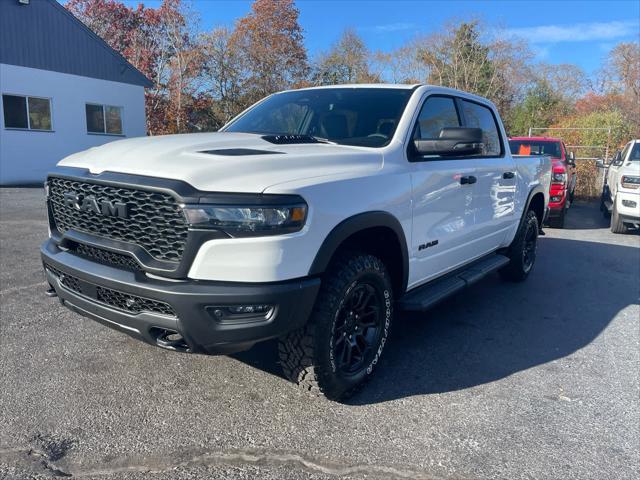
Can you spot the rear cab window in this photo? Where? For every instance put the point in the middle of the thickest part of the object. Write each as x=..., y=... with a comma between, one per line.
x=535, y=147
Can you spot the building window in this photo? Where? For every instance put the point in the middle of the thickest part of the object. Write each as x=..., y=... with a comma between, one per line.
x=104, y=119
x=28, y=113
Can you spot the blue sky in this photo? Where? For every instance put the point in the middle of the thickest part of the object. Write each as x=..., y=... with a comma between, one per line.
x=579, y=32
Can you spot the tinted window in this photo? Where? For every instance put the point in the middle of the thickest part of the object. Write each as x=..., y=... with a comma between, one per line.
x=533, y=147
x=635, y=153
x=15, y=111
x=349, y=116
x=479, y=116
x=95, y=118
x=26, y=112
x=39, y=114
x=436, y=114
x=104, y=119
x=113, y=120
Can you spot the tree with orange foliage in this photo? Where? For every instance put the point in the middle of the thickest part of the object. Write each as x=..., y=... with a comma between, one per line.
x=272, y=52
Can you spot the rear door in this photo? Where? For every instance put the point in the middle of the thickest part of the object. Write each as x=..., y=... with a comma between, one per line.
x=494, y=194
x=443, y=217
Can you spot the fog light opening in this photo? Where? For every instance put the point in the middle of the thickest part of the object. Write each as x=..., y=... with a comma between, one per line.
x=240, y=313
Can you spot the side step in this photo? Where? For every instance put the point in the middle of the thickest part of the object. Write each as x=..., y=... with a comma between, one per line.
x=426, y=296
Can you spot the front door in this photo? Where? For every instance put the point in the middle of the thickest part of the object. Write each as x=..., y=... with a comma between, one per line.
x=443, y=217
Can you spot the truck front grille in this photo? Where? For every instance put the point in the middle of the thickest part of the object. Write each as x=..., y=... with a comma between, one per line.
x=154, y=220
x=112, y=298
x=105, y=256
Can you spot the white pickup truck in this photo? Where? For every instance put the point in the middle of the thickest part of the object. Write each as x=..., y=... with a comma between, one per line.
x=311, y=217
x=621, y=190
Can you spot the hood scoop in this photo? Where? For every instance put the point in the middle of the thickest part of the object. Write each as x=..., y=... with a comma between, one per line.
x=239, y=152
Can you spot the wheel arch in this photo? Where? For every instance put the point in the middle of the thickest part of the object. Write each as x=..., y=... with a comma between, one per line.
x=373, y=232
x=535, y=202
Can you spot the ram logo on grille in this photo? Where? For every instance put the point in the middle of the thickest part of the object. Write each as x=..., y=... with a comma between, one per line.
x=89, y=203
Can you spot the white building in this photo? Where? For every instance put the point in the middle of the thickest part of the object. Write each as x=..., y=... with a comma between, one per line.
x=63, y=89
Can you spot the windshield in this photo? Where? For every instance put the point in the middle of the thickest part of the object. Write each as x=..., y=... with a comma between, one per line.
x=532, y=147
x=365, y=117
x=634, y=156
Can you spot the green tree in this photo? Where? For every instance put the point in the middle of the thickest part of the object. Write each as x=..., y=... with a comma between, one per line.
x=540, y=108
x=466, y=57
x=589, y=183
x=346, y=62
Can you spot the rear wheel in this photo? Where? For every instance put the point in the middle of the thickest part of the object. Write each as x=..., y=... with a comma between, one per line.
x=338, y=349
x=522, y=251
x=617, y=225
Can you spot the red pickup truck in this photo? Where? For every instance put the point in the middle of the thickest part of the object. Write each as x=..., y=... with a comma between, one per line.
x=564, y=175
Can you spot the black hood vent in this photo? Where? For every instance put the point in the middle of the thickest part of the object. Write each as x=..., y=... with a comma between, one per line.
x=239, y=152
x=290, y=139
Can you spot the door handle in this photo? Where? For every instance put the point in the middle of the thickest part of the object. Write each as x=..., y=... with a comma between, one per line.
x=507, y=175
x=468, y=180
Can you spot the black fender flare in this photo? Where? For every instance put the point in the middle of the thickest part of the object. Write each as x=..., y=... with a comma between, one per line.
x=353, y=225
x=535, y=190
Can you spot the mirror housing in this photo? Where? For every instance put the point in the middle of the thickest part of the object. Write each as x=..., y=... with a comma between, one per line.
x=617, y=159
x=572, y=158
x=452, y=141
x=600, y=163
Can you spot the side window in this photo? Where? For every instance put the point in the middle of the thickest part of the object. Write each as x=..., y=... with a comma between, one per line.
x=104, y=119
x=28, y=113
x=436, y=113
x=479, y=116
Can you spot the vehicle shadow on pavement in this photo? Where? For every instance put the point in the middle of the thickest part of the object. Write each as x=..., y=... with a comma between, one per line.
x=495, y=328
x=585, y=215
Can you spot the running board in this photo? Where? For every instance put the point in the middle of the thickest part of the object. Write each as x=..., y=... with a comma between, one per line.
x=426, y=296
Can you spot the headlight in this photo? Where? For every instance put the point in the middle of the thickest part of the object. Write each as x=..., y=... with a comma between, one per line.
x=559, y=177
x=241, y=220
x=630, y=182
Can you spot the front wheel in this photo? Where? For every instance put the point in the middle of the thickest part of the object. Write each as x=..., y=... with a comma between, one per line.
x=523, y=249
x=338, y=349
x=617, y=225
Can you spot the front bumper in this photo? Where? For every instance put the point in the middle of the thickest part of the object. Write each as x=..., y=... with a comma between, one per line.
x=556, y=208
x=628, y=206
x=153, y=310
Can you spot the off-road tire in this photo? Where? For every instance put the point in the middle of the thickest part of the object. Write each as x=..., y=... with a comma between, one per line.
x=520, y=265
x=617, y=225
x=308, y=355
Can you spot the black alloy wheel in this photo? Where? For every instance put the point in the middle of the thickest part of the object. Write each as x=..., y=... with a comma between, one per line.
x=358, y=328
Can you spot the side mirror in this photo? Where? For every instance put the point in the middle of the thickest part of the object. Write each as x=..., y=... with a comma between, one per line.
x=452, y=141
x=600, y=163
x=572, y=158
x=616, y=158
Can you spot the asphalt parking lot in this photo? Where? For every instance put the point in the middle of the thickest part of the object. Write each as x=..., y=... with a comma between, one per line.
x=516, y=381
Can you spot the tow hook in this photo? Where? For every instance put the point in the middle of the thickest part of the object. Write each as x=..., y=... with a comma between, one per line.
x=51, y=292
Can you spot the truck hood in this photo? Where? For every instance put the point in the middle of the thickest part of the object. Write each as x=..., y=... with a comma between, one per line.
x=630, y=168
x=225, y=162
